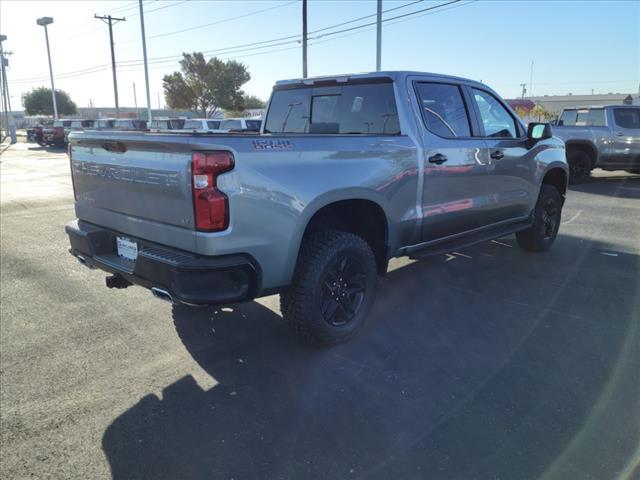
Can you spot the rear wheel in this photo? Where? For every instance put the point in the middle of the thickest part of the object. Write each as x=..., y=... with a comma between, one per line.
x=546, y=222
x=333, y=287
x=579, y=166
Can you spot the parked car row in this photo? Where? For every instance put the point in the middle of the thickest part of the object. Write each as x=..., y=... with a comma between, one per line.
x=56, y=134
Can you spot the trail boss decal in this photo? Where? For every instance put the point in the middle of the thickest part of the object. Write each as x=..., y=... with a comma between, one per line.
x=272, y=145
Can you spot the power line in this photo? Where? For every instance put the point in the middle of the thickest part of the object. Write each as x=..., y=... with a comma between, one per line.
x=387, y=19
x=220, y=21
x=266, y=43
x=134, y=14
x=297, y=37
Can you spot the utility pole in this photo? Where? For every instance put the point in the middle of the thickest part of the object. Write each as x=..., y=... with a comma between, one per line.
x=6, y=99
x=43, y=22
x=379, y=37
x=524, y=89
x=146, y=67
x=304, y=38
x=531, y=80
x=109, y=20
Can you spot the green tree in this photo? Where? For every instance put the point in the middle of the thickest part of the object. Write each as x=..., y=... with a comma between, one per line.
x=206, y=86
x=251, y=101
x=38, y=102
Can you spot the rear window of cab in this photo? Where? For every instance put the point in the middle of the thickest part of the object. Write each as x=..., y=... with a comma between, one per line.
x=352, y=109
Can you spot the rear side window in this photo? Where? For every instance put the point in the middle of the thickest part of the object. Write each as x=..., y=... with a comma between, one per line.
x=357, y=109
x=444, y=110
x=496, y=120
x=627, y=117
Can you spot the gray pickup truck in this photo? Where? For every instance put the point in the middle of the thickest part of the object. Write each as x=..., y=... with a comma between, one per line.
x=347, y=172
x=600, y=137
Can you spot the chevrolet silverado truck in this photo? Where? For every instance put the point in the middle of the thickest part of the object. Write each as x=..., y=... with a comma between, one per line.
x=600, y=137
x=346, y=173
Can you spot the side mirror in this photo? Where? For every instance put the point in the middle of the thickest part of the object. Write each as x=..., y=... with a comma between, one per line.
x=538, y=131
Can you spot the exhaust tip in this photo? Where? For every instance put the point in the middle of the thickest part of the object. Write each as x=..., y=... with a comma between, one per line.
x=83, y=262
x=161, y=294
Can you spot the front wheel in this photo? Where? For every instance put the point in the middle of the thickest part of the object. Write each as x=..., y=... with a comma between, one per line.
x=546, y=222
x=333, y=287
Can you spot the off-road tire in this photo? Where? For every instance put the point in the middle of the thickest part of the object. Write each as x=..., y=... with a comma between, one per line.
x=300, y=303
x=579, y=167
x=538, y=238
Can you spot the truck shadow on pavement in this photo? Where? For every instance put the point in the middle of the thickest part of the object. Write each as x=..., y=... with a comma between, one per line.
x=488, y=363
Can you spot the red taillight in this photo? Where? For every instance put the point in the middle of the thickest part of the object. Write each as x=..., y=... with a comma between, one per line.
x=211, y=206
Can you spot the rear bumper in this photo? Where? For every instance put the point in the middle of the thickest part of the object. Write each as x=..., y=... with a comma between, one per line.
x=186, y=277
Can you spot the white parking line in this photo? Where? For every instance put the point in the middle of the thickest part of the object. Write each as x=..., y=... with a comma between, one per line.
x=573, y=218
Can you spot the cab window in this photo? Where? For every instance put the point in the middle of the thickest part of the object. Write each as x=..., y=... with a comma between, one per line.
x=443, y=109
x=627, y=117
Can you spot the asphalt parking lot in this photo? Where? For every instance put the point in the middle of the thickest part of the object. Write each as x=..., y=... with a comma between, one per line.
x=488, y=363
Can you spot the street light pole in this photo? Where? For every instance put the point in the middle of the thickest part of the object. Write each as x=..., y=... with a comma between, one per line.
x=304, y=38
x=43, y=22
x=146, y=68
x=379, y=37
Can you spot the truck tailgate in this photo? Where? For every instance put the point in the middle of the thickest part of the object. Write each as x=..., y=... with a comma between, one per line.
x=137, y=187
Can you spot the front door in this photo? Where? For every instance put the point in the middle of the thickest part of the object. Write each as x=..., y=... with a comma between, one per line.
x=625, y=141
x=511, y=164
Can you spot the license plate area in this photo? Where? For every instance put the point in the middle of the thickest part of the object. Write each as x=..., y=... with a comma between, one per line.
x=127, y=249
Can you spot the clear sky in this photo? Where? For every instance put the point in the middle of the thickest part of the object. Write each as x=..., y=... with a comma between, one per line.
x=576, y=46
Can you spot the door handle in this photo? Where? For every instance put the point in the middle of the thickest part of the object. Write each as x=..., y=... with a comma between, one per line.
x=438, y=158
x=497, y=155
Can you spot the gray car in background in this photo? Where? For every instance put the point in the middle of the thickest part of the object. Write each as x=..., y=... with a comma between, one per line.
x=600, y=137
x=346, y=173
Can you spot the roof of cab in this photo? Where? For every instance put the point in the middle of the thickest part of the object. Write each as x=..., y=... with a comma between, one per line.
x=395, y=75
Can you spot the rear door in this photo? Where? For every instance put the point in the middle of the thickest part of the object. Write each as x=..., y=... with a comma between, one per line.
x=625, y=143
x=511, y=168
x=454, y=194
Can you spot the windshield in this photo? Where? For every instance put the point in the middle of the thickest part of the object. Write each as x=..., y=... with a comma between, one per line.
x=364, y=109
